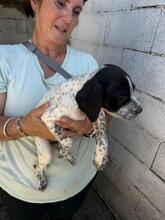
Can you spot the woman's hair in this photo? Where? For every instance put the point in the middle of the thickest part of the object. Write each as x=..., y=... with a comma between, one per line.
x=28, y=9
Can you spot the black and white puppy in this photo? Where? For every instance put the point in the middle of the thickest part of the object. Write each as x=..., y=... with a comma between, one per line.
x=107, y=89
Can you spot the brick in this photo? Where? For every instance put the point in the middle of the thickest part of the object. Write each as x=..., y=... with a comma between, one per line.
x=29, y=25
x=12, y=13
x=1, y=25
x=2, y=38
x=109, y=5
x=126, y=190
x=145, y=210
x=1, y=11
x=140, y=3
x=93, y=208
x=21, y=26
x=133, y=29
x=140, y=177
x=91, y=28
x=93, y=49
x=9, y=25
x=159, y=43
x=111, y=55
x=101, y=53
x=135, y=140
x=152, y=118
x=159, y=165
x=88, y=6
x=144, y=68
x=148, y=183
x=12, y=38
x=118, y=192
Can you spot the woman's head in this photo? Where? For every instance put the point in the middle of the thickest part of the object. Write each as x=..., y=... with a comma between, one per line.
x=54, y=19
x=28, y=9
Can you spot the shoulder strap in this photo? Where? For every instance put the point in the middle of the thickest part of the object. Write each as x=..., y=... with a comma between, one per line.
x=51, y=63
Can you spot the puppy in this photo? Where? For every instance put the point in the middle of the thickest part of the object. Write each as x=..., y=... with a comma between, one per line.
x=107, y=89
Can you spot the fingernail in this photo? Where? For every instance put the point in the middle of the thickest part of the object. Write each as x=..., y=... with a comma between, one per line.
x=47, y=104
x=62, y=120
x=57, y=122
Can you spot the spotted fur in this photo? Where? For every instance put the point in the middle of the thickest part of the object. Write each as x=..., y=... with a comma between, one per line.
x=89, y=94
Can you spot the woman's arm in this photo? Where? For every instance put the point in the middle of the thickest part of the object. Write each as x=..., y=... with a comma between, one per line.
x=31, y=124
x=3, y=119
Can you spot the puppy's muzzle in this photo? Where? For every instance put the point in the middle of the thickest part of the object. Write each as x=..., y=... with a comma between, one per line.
x=130, y=110
x=138, y=110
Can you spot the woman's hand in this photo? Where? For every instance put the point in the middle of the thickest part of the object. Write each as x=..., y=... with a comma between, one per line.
x=32, y=124
x=74, y=128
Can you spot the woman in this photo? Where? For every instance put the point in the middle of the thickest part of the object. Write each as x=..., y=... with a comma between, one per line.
x=23, y=82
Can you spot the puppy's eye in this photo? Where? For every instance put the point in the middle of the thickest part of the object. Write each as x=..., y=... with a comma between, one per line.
x=123, y=101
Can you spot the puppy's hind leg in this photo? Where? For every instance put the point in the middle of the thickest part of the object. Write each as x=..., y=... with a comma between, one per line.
x=44, y=158
x=65, y=144
x=101, y=157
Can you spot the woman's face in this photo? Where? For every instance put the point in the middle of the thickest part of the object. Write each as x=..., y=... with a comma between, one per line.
x=56, y=19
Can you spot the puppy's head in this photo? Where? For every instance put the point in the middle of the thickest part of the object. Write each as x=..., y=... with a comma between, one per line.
x=112, y=89
x=119, y=98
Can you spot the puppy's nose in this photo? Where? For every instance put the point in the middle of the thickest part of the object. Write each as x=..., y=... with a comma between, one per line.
x=139, y=110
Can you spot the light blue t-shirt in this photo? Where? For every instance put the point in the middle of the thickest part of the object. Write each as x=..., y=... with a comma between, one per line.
x=22, y=77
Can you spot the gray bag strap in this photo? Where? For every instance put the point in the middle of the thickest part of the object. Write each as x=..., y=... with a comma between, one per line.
x=50, y=62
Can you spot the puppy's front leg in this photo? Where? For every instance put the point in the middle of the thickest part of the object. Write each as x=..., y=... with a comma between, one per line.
x=101, y=157
x=65, y=144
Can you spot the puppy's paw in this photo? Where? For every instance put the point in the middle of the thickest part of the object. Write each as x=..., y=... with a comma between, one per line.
x=68, y=157
x=41, y=177
x=100, y=164
x=42, y=184
x=73, y=161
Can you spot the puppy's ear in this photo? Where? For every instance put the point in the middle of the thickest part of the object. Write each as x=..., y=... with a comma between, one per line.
x=90, y=98
x=115, y=98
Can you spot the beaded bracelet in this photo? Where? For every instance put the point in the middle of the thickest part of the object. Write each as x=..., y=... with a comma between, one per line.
x=19, y=128
x=91, y=135
x=5, y=126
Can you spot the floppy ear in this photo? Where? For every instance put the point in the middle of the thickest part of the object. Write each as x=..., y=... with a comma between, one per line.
x=89, y=99
x=115, y=98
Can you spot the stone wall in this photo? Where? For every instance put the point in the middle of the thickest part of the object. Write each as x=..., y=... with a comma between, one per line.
x=14, y=26
x=131, y=34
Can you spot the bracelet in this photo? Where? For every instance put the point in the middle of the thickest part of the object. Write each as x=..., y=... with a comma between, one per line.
x=19, y=128
x=91, y=135
x=5, y=126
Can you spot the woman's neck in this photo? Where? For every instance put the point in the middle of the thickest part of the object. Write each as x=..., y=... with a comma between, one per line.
x=52, y=50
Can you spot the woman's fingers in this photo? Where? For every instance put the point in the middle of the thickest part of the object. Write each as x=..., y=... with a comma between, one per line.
x=41, y=109
x=76, y=126
x=69, y=133
x=34, y=126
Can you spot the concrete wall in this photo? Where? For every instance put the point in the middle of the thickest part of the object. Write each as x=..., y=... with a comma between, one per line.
x=128, y=33
x=131, y=34
x=14, y=26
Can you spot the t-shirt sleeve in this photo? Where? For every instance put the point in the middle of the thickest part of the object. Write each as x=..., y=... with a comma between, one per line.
x=3, y=76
